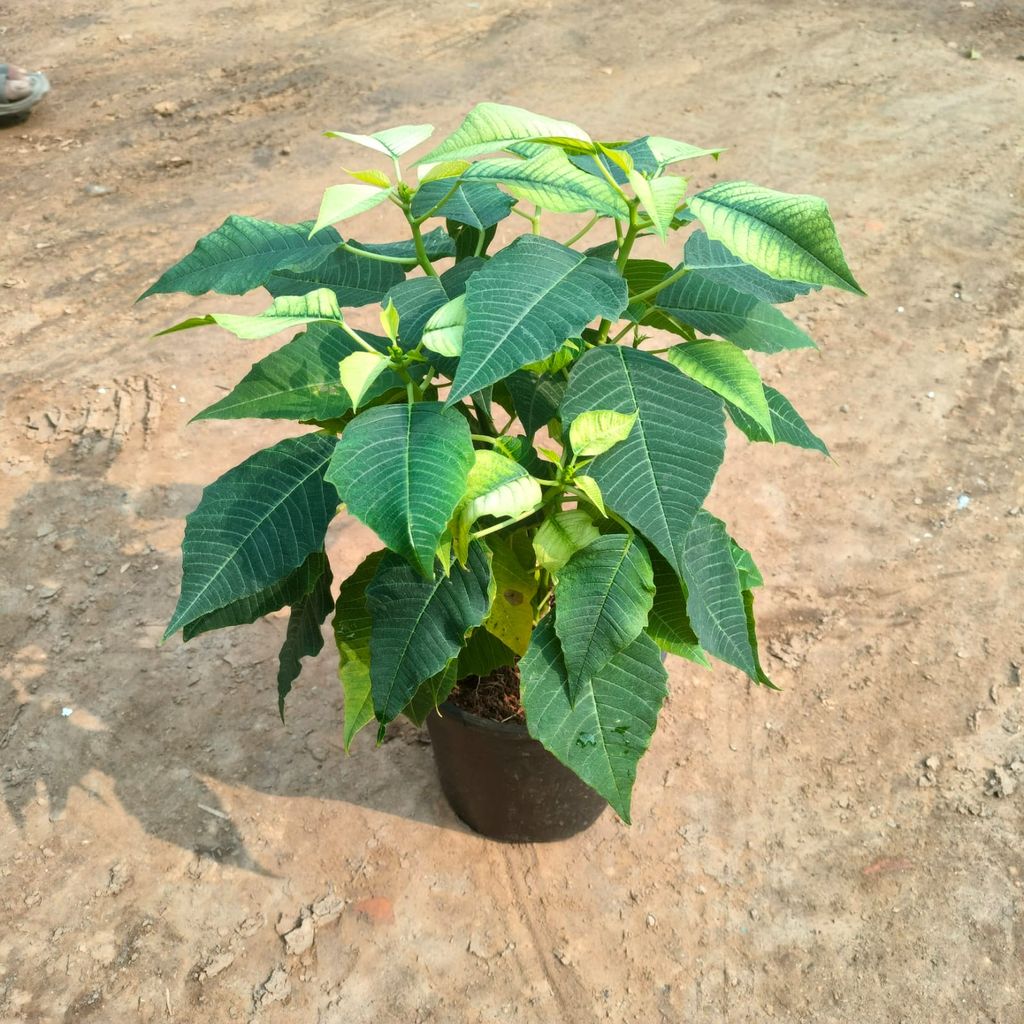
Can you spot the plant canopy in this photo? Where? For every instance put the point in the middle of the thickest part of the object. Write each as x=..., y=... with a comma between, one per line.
x=532, y=433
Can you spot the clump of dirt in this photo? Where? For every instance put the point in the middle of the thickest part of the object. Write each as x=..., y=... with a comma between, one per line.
x=494, y=696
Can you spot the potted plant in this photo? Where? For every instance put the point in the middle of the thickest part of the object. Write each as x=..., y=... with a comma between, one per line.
x=532, y=435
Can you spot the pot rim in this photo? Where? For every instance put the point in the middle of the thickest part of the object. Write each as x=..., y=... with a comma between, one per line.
x=486, y=724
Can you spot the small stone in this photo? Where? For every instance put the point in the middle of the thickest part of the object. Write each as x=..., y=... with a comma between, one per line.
x=275, y=989
x=286, y=923
x=844, y=408
x=94, y=189
x=166, y=108
x=1000, y=783
x=932, y=762
x=300, y=940
x=217, y=965
x=45, y=529
x=101, y=570
x=327, y=910
x=651, y=920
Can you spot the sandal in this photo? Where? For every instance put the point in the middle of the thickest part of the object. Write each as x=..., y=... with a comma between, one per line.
x=18, y=108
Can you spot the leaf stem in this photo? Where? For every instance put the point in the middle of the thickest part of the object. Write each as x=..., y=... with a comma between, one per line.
x=586, y=227
x=437, y=206
x=649, y=293
x=357, y=338
x=405, y=261
x=421, y=249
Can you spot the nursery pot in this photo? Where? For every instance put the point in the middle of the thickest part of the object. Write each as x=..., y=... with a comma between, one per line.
x=503, y=784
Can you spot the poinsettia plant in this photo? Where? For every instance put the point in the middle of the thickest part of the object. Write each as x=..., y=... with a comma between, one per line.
x=532, y=434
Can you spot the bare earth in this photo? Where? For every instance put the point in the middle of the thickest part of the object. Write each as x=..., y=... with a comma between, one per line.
x=846, y=851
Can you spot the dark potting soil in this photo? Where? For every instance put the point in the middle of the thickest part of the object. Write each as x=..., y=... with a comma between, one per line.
x=495, y=696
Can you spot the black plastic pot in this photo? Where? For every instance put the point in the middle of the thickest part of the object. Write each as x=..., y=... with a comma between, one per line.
x=503, y=784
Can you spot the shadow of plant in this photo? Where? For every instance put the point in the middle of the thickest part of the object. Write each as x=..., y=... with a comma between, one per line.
x=166, y=725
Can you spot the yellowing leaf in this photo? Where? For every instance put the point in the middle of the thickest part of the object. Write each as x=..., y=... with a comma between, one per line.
x=443, y=331
x=561, y=536
x=359, y=371
x=590, y=489
x=393, y=142
x=593, y=433
x=371, y=177
x=343, y=201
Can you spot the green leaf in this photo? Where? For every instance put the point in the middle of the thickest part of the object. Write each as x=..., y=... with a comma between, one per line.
x=489, y=127
x=304, y=637
x=593, y=433
x=358, y=373
x=290, y=590
x=715, y=262
x=352, y=635
x=715, y=597
x=789, y=237
x=642, y=275
x=419, y=298
x=591, y=490
x=560, y=536
x=299, y=381
x=602, y=598
x=525, y=302
x=515, y=586
x=565, y=355
x=660, y=475
x=432, y=693
x=603, y=738
x=748, y=609
x=401, y=470
x=716, y=308
x=283, y=313
x=535, y=399
x=393, y=142
x=749, y=575
x=343, y=201
x=241, y=254
x=669, y=151
x=255, y=525
x=722, y=367
x=788, y=426
x=355, y=280
x=550, y=181
x=483, y=653
x=443, y=332
x=496, y=486
x=370, y=177
x=478, y=205
x=659, y=197
x=420, y=624
x=668, y=624
x=389, y=318
x=437, y=244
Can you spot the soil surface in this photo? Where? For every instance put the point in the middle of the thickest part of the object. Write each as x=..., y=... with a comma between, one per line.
x=495, y=696
x=846, y=851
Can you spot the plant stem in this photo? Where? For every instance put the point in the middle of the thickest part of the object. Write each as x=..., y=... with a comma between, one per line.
x=625, y=330
x=421, y=249
x=651, y=292
x=406, y=261
x=437, y=206
x=358, y=339
x=586, y=227
x=501, y=526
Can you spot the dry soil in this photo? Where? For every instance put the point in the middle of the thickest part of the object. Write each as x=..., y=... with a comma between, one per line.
x=848, y=850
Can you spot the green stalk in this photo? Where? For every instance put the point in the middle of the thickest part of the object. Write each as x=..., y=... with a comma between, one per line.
x=579, y=234
x=405, y=261
x=651, y=292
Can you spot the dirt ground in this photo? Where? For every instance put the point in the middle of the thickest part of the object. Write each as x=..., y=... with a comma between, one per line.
x=846, y=851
